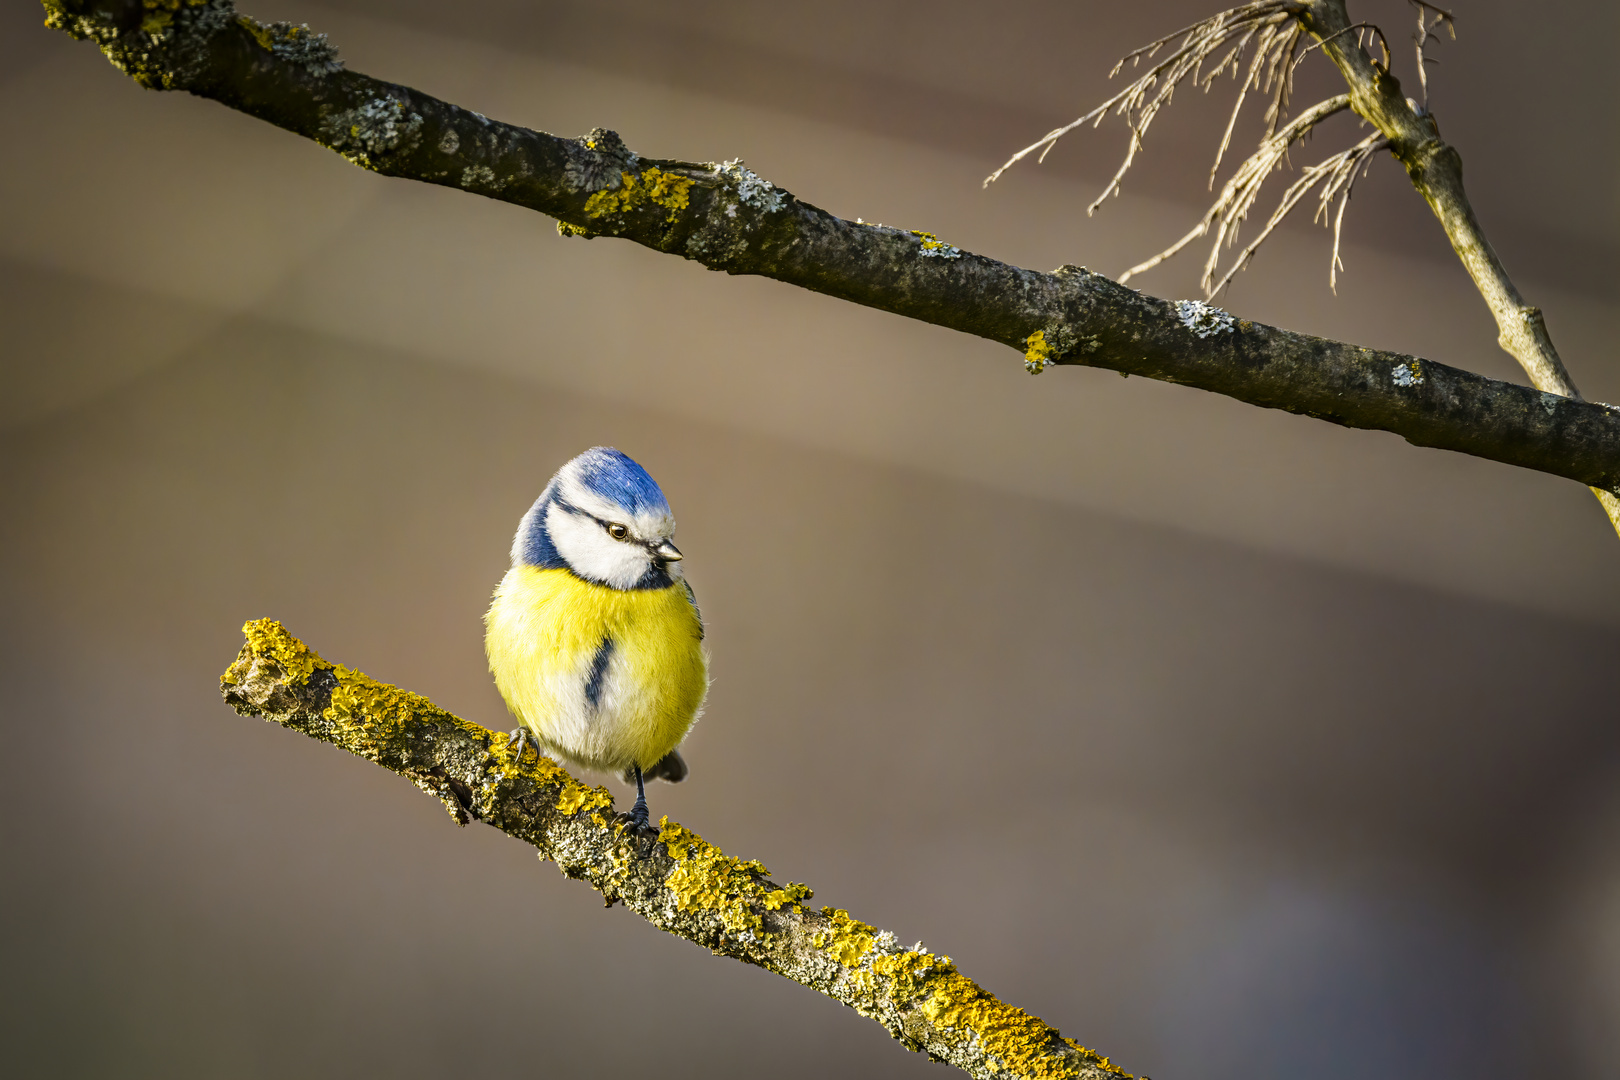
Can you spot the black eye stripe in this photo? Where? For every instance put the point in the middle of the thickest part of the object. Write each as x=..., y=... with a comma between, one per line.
x=607, y=526
x=565, y=505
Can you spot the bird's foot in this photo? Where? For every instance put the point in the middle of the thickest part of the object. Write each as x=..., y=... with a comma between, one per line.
x=637, y=822
x=523, y=738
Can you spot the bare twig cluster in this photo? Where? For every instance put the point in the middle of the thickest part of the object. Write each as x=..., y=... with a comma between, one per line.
x=1337, y=175
x=1274, y=30
x=1269, y=25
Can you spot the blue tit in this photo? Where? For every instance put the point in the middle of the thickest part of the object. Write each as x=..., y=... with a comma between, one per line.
x=594, y=636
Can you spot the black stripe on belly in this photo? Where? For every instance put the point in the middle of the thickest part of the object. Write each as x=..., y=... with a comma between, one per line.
x=598, y=675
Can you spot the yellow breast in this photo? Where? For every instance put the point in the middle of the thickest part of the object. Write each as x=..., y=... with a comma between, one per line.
x=606, y=678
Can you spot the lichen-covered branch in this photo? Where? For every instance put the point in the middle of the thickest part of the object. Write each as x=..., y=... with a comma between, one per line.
x=728, y=218
x=1435, y=168
x=678, y=882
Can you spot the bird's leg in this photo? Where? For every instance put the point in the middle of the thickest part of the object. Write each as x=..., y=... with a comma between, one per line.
x=521, y=738
x=637, y=818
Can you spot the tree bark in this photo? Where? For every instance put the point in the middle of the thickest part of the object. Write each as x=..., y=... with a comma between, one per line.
x=729, y=219
x=677, y=882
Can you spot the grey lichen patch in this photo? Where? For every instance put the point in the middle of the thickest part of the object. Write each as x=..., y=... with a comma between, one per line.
x=1407, y=374
x=752, y=189
x=449, y=142
x=929, y=246
x=723, y=235
x=1203, y=319
x=296, y=43
x=716, y=245
x=598, y=162
x=935, y=248
x=480, y=176
x=383, y=125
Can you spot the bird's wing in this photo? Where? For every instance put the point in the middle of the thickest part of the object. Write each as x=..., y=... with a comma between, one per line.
x=691, y=598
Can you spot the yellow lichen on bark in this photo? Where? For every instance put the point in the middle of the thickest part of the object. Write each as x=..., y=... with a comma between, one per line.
x=846, y=940
x=656, y=186
x=1021, y=1042
x=360, y=698
x=578, y=796
x=792, y=893
x=707, y=878
x=1038, y=352
x=268, y=639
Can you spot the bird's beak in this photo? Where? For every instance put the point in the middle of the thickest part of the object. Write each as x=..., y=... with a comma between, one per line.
x=668, y=552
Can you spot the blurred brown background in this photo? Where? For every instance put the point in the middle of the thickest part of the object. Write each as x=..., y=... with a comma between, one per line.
x=1232, y=743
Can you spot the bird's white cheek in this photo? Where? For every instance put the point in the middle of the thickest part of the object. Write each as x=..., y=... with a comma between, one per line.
x=593, y=554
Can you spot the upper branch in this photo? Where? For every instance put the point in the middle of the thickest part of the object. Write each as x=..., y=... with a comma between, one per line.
x=730, y=219
x=678, y=882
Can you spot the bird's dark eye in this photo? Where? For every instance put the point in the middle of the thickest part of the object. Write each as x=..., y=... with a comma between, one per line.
x=617, y=531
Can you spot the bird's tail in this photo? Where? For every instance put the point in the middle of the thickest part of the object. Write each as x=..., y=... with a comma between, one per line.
x=670, y=767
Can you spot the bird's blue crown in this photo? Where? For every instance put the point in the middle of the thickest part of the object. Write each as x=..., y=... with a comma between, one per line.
x=618, y=479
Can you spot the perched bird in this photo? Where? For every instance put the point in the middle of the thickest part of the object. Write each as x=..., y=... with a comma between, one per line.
x=594, y=636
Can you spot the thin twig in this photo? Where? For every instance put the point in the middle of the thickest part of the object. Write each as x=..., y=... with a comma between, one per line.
x=1337, y=174
x=1356, y=166
x=1362, y=36
x=1424, y=33
x=1206, y=51
x=1353, y=26
x=1275, y=50
x=1239, y=193
x=1232, y=30
x=1441, y=15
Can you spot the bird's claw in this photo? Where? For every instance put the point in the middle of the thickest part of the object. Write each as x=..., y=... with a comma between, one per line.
x=637, y=825
x=522, y=738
